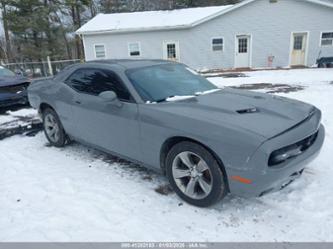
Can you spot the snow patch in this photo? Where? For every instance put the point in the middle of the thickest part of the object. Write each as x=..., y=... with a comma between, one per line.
x=207, y=92
x=178, y=98
x=149, y=19
x=12, y=119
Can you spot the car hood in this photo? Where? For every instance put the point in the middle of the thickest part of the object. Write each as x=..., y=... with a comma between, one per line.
x=263, y=114
x=14, y=80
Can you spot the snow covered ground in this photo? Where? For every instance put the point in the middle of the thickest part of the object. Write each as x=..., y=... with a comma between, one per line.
x=14, y=118
x=79, y=194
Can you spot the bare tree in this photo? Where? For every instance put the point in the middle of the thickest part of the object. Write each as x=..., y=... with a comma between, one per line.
x=6, y=30
x=3, y=52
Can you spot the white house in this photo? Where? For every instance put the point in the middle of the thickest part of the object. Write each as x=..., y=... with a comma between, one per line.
x=253, y=33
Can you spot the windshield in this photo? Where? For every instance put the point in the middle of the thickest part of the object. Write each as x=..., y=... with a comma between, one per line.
x=160, y=82
x=4, y=72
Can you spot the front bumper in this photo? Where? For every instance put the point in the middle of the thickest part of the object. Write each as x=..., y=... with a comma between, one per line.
x=17, y=100
x=265, y=179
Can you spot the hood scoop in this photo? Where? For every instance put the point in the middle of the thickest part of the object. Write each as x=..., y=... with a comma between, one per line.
x=248, y=110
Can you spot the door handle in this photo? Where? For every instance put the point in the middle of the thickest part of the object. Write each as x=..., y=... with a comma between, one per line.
x=78, y=102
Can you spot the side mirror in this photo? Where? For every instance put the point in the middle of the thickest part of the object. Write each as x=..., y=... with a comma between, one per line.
x=110, y=97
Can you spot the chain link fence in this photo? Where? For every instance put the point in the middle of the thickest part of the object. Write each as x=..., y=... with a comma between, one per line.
x=39, y=69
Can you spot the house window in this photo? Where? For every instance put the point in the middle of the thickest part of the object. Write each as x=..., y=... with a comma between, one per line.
x=242, y=45
x=327, y=39
x=217, y=44
x=134, y=49
x=171, y=51
x=298, y=42
x=100, y=51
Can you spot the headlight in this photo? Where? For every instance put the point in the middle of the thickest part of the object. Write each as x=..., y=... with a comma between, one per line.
x=291, y=151
x=280, y=156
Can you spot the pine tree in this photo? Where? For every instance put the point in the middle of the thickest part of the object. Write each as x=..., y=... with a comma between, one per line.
x=112, y=6
x=35, y=29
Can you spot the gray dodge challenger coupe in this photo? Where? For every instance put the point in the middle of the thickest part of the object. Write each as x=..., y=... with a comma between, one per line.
x=160, y=114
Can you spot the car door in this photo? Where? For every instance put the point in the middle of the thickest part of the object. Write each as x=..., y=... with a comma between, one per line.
x=112, y=126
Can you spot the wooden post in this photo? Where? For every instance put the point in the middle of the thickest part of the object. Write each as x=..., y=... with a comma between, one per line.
x=50, y=65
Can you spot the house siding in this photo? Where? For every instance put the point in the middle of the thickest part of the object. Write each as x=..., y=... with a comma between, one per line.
x=269, y=24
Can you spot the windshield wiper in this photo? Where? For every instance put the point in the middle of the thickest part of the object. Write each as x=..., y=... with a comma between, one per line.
x=164, y=99
x=175, y=98
x=207, y=92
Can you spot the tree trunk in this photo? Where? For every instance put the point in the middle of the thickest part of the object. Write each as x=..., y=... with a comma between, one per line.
x=92, y=9
x=63, y=32
x=48, y=33
x=75, y=12
x=8, y=53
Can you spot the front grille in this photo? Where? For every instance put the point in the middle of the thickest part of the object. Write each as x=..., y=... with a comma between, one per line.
x=14, y=88
x=293, y=150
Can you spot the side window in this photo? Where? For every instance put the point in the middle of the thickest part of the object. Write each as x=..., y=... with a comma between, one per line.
x=78, y=80
x=109, y=81
x=95, y=81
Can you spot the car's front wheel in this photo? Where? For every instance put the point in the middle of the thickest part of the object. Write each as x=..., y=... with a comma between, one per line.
x=195, y=175
x=53, y=129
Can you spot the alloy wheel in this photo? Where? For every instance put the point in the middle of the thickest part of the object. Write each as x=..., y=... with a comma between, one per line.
x=192, y=175
x=51, y=127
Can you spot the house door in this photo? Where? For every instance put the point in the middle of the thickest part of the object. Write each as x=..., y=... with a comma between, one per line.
x=171, y=50
x=298, y=52
x=242, y=56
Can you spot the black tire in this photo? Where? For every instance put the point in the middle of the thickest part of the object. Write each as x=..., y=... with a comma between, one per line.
x=61, y=139
x=218, y=184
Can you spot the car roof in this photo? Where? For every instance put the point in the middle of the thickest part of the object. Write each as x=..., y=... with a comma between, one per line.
x=122, y=63
x=130, y=63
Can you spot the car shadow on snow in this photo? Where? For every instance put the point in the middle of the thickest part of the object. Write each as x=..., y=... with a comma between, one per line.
x=163, y=188
x=132, y=170
x=128, y=168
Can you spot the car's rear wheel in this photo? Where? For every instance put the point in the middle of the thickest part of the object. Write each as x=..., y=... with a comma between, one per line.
x=194, y=174
x=53, y=129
